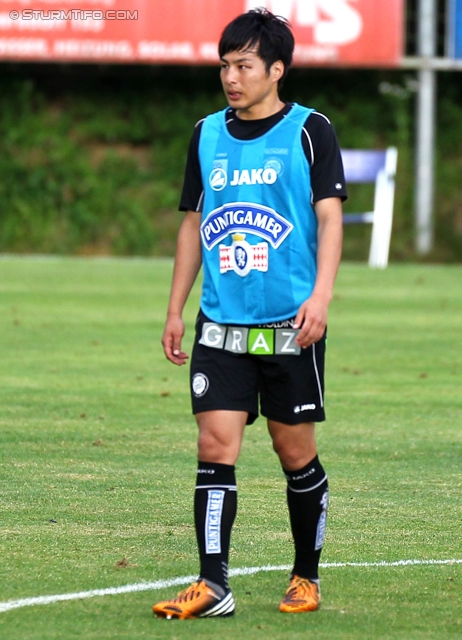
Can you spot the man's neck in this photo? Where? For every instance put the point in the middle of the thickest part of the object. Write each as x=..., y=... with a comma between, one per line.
x=261, y=111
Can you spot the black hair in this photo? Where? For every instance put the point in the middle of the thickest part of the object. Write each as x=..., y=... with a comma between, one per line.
x=259, y=28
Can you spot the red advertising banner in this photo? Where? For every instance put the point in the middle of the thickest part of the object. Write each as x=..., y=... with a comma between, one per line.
x=364, y=33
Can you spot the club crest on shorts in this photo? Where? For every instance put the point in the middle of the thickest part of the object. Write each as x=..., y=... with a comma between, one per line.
x=241, y=257
x=199, y=384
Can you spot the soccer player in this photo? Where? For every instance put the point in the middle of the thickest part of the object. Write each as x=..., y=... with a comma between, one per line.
x=263, y=195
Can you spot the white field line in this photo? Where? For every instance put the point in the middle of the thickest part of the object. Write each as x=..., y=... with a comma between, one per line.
x=162, y=584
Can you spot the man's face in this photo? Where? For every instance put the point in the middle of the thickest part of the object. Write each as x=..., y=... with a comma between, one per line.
x=247, y=84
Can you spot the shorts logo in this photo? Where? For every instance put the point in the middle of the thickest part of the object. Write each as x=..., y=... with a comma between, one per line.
x=200, y=384
x=304, y=407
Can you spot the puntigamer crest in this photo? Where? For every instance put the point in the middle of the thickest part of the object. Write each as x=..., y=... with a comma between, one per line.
x=244, y=217
x=242, y=257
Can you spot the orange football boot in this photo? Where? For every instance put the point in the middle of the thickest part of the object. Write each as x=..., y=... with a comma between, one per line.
x=302, y=595
x=199, y=600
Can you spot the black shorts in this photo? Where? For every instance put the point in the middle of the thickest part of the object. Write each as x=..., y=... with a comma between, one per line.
x=289, y=386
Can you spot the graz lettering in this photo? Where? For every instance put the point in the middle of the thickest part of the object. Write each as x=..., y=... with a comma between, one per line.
x=253, y=340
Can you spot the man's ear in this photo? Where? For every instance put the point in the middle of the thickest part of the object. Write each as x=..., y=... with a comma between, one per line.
x=277, y=70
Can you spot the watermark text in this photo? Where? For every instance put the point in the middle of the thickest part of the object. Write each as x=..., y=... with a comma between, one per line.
x=74, y=14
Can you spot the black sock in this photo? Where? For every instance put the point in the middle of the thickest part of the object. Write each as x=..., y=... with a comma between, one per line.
x=215, y=506
x=307, y=499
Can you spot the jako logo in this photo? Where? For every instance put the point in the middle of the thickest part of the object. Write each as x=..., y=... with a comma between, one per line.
x=218, y=179
x=254, y=176
x=333, y=21
x=304, y=407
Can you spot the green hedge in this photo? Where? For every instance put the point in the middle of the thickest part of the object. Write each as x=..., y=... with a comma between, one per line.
x=92, y=159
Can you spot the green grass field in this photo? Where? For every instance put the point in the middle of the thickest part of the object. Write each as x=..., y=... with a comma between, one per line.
x=97, y=460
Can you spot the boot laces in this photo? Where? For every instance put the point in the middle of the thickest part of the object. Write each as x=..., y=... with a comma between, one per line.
x=192, y=592
x=297, y=588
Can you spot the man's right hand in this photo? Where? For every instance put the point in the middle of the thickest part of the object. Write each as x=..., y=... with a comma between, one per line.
x=171, y=341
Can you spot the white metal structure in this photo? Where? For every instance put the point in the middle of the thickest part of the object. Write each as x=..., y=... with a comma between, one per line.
x=379, y=167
